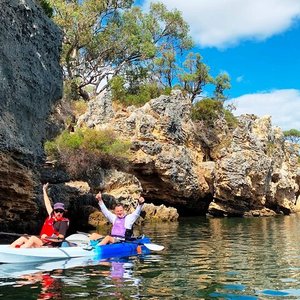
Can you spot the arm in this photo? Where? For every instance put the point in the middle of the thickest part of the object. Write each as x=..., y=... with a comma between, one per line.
x=109, y=215
x=47, y=200
x=131, y=218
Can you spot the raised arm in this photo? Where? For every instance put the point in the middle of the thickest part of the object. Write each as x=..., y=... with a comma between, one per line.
x=108, y=214
x=131, y=218
x=47, y=200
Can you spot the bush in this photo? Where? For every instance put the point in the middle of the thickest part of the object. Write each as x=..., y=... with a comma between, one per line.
x=210, y=110
x=87, y=149
x=46, y=7
x=143, y=93
x=79, y=107
x=231, y=120
x=292, y=135
x=207, y=110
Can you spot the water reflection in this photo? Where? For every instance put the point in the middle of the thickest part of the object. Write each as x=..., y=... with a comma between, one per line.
x=50, y=286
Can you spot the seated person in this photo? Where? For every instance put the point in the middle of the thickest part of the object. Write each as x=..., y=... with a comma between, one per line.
x=55, y=226
x=122, y=223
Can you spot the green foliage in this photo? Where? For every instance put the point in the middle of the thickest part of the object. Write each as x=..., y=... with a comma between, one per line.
x=66, y=140
x=79, y=107
x=292, y=135
x=210, y=110
x=195, y=75
x=222, y=83
x=103, y=141
x=103, y=38
x=231, y=120
x=46, y=7
x=88, y=149
x=207, y=110
x=51, y=149
x=71, y=89
x=139, y=96
x=117, y=85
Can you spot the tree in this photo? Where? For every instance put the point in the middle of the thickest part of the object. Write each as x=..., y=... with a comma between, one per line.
x=222, y=82
x=106, y=38
x=195, y=75
x=292, y=135
x=46, y=7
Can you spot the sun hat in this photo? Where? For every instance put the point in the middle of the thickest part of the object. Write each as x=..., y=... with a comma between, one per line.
x=59, y=205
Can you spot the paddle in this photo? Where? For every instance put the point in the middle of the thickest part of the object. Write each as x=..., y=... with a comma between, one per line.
x=83, y=237
x=47, y=238
x=78, y=238
x=13, y=234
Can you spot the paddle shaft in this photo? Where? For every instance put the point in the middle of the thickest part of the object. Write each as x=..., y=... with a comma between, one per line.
x=13, y=234
x=48, y=238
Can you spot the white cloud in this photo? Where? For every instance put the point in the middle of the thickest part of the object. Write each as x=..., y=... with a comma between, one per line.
x=223, y=23
x=282, y=105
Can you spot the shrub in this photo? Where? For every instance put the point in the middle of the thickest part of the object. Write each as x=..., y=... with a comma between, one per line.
x=141, y=95
x=292, y=135
x=79, y=107
x=87, y=149
x=46, y=7
x=231, y=120
x=209, y=110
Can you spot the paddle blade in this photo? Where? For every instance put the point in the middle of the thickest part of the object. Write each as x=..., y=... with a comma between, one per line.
x=154, y=247
x=78, y=238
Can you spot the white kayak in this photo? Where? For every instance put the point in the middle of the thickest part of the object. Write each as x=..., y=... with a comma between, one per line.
x=30, y=255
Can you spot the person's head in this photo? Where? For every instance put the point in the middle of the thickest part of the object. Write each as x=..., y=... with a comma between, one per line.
x=119, y=210
x=59, y=210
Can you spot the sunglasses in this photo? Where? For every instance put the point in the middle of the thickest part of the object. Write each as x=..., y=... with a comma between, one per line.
x=59, y=211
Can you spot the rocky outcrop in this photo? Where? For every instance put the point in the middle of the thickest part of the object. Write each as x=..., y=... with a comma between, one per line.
x=167, y=160
x=256, y=169
x=247, y=171
x=31, y=78
x=30, y=83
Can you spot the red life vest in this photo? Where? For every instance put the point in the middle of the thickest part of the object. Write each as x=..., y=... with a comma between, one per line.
x=48, y=227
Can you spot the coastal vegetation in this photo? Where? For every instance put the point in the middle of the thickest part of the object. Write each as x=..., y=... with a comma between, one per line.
x=137, y=56
x=82, y=151
x=107, y=45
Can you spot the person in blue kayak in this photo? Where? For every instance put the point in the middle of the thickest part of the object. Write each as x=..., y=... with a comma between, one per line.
x=122, y=223
x=54, y=229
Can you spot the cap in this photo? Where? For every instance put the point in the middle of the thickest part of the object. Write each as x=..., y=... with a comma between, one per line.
x=59, y=205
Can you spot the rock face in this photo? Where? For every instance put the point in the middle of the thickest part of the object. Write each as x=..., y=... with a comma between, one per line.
x=257, y=169
x=30, y=83
x=247, y=171
x=30, y=76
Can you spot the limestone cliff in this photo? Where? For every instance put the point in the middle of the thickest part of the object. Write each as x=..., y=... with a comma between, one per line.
x=250, y=170
x=177, y=164
x=30, y=84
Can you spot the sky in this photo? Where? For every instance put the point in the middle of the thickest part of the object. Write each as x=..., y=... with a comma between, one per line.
x=257, y=42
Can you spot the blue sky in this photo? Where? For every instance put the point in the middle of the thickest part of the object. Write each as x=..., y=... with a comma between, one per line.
x=257, y=42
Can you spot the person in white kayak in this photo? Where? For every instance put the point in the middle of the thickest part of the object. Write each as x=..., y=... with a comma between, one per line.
x=55, y=227
x=122, y=223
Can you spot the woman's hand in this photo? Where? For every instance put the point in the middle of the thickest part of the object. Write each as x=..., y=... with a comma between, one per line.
x=45, y=186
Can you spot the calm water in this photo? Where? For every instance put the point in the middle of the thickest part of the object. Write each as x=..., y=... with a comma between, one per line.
x=203, y=259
